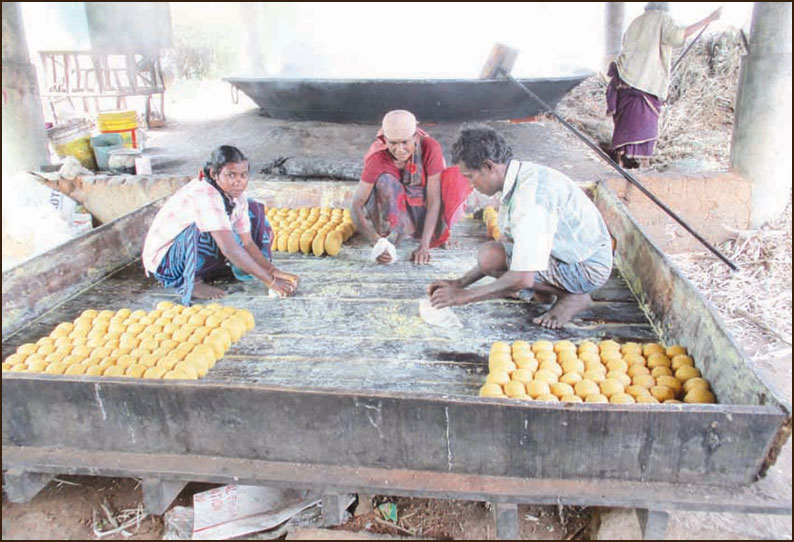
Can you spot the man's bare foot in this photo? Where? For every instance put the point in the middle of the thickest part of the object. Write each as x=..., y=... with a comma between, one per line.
x=566, y=307
x=451, y=244
x=201, y=290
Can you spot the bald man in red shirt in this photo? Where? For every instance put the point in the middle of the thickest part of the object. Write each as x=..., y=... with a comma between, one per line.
x=406, y=188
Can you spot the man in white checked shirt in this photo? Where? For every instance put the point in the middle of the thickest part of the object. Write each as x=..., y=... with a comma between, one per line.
x=554, y=241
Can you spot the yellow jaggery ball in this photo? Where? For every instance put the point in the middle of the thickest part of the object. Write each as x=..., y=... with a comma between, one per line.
x=547, y=398
x=333, y=243
x=502, y=365
x=646, y=381
x=646, y=399
x=671, y=382
x=617, y=365
x=544, y=375
x=634, y=359
x=539, y=346
x=551, y=366
x=514, y=389
x=94, y=370
x=545, y=355
x=662, y=393
x=176, y=374
x=680, y=360
x=247, y=317
x=224, y=334
x=561, y=389
x=207, y=352
x=661, y=371
x=527, y=363
x=652, y=348
x=36, y=367
x=621, y=377
x=636, y=391
x=590, y=357
x=571, y=378
x=523, y=375
x=622, y=399
x=45, y=349
x=675, y=350
x=561, y=346
x=610, y=355
x=608, y=345
x=491, y=390
x=154, y=372
x=188, y=369
x=56, y=368
x=571, y=399
x=673, y=401
x=135, y=370
x=631, y=348
x=635, y=370
x=595, y=376
x=520, y=345
x=16, y=359
x=658, y=359
x=537, y=388
x=699, y=395
x=696, y=382
x=573, y=366
x=197, y=320
x=501, y=378
x=587, y=346
x=595, y=398
x=495, y=356
x=610, y=386
x=76, y=369
x=137, y=314
x=168, y=362
x=149, y=360
x=216, y=343
x=500, y=347
x=583, y=388
x=685, y=372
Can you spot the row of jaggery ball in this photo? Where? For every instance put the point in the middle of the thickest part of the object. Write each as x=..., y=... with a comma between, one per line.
x=606, y=372
x=170, y=342
x=310, y=230
x=490, y=217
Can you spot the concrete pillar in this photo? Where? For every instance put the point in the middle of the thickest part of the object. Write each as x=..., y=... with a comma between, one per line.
x=24, y=138
x=761, y=144
x=614, y=13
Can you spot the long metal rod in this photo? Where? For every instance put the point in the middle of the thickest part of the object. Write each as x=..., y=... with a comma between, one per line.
x=628, y=176
x=680, y=58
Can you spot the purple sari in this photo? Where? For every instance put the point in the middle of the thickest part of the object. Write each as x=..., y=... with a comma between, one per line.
x=636, y=117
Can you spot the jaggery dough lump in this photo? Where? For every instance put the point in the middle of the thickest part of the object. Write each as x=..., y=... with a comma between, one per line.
x=675, y=350
x=515, y=389
x=646, y=399
x=631, y=348
x=561, y=346
x=621, y=377
x=571, y=399
x=595, y=376
x=636, y=391
x=293, y=242
x=610, y=355
x=306, y=239
x=333, y=243
x=694, y=383
x=537, y=388
x=610, y=387
x=281, y=241
x=560, y=389
x=491, y=390
x=590, y=357
x=646, y=381
x=500, y=347
x=318, y=244
x=658, y=359
x=608, y=345
x=502, y=366
x=681, y=360
x=652, y=348
x=52, y=368
x=661, y=371
x=671, y=382
x=571, y=378
x=547, y=398
x=635, y=370
x=545, y=375
x=154, y=372
x=584, y=388
x=94, y=370
x=699, y=395
x=114, y=370
x=663, y=393
x=175, y=374
x=622, y=399
x=538, y=346
x=188, y=369
x=501, y=378
x=522, y=354
x=523, y=375
x=135, y=370
x=685, y=372
x=552, y=367
x=526, y=363
x=520, y=345
x=495, y=356
x=617, y=365
x=235, y=327
x=587, y=346
x=575, y=365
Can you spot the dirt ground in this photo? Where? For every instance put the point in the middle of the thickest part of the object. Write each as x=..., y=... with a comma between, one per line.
x=66, y=508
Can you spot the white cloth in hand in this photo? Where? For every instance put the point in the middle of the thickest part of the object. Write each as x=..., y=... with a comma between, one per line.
x=383, y=245
x=438, y=317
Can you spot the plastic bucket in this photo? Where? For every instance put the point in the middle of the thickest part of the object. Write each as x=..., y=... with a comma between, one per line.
x=73, y=140
x=124, y=123
x=102, y=145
